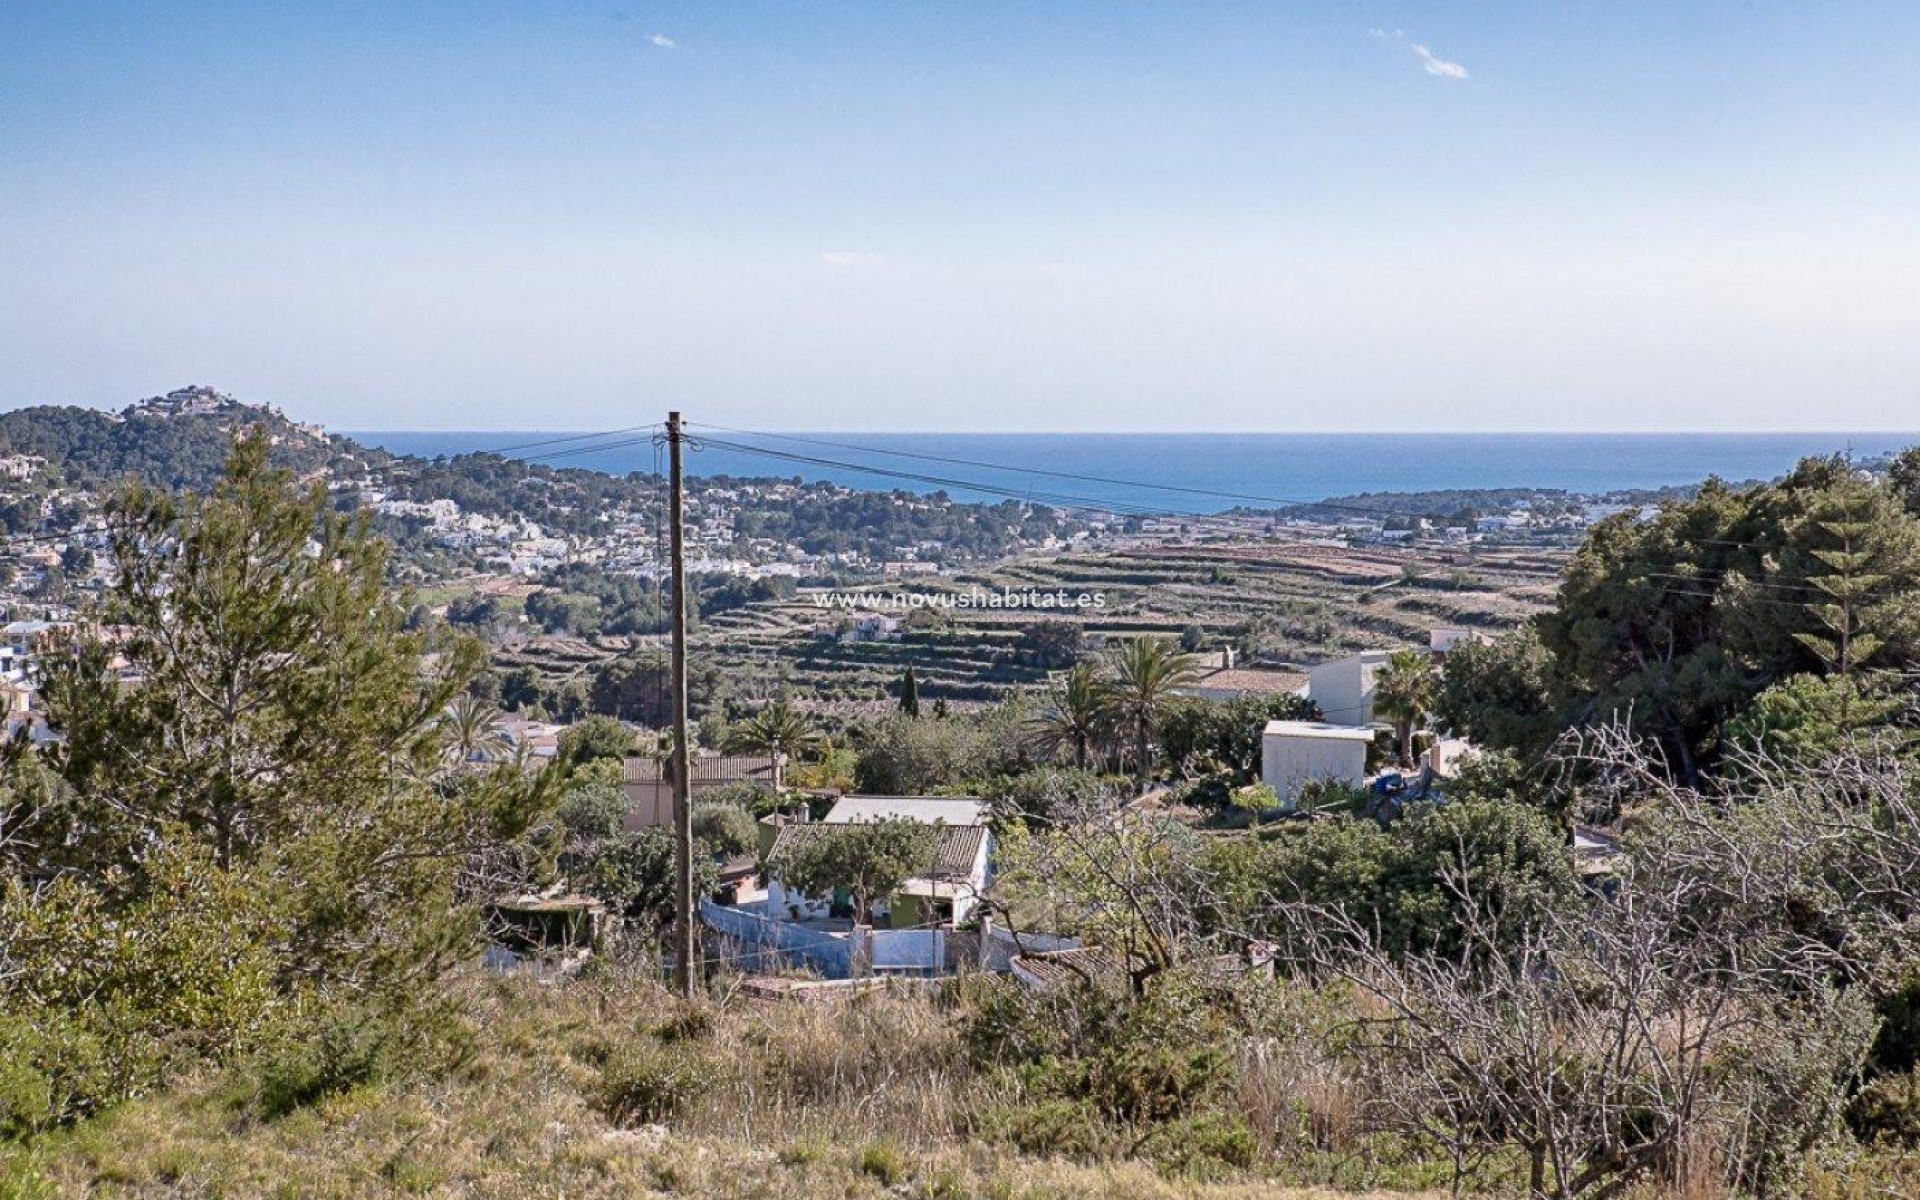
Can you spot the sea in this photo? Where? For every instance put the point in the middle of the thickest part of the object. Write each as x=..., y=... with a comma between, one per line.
x=1181, y=473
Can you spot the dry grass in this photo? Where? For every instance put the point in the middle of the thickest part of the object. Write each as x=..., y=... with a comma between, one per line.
x=612, y=1088
x=838, y=1099
x=1297, y=1099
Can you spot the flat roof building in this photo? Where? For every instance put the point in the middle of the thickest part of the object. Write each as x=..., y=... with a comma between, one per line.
x=1296, y=753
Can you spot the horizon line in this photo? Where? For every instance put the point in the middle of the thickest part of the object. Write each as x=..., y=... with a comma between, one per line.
x=1182, y=433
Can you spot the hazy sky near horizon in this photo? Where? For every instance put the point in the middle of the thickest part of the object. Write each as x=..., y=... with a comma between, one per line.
x=1052, y=214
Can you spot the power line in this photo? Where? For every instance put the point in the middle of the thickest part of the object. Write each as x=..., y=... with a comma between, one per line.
x=1278, y=501
x=1112, y=481
x=1057, y=499
x=1036, y=471
x=555, y=441
x=646, y=434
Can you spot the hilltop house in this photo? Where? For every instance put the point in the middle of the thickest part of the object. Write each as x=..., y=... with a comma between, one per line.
x=912, y=926
x=21, y=466
x=1442, y=639
x=17, y=693
x=872, y=627
x=539, y=740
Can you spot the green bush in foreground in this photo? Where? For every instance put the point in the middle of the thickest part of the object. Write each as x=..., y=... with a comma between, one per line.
x=259, y=831
x=105, y=999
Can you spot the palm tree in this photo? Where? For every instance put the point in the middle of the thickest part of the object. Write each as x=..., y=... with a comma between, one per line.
x=1141, y=677
x=1075, y=717
x=471, y=729
x=778, y=731
x=1403, y=692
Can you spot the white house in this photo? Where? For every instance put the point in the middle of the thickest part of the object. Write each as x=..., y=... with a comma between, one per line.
x=1343, y=688
x=21, y=466
x=1296, y=753
x=1443, y=638
x=945, y=892
x=872, y=627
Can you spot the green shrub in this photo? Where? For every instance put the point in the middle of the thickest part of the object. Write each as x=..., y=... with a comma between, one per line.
x=1143, y=1083
x=1201, y=1146
x=886, y=1162
x=801, y=1153
x=633, y=874
x=1211, y=792
x=339, y=1052
x=725, y=829
x=1896, y=1048
x=1887, y=1109
x=1047, y=795
x=1053, y=1128
x=20, y=1178
x=1009, y=1025
x=594, y=809
x=1097, y=1070
x=122, y=982
x=52, y=1070
x=687, y=1021
x=649, y=1083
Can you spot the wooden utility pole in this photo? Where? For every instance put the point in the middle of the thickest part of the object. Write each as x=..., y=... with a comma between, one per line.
x=680, y=767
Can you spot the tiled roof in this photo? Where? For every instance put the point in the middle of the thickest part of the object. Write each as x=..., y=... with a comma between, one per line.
x=956, y=848
x=1084, y=964
x=707, y=768
x=1250, y=681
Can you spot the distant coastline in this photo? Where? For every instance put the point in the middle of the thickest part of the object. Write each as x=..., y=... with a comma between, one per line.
x=1218, y=471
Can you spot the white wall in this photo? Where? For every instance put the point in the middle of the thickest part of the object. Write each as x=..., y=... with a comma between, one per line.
x=1344, y=688
x=1288, y=762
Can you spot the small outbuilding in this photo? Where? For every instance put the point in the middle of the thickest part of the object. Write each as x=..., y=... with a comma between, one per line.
x=1296, y=753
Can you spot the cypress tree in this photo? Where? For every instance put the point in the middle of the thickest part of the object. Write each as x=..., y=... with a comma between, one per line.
x=910, y=694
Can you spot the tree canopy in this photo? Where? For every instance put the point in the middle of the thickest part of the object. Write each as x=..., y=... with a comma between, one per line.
x=1677, y=622
x=869, y=859
x=252, y=691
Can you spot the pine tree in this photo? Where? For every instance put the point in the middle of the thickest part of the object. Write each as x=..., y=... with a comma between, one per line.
x=270, y=710
x=1851, y=586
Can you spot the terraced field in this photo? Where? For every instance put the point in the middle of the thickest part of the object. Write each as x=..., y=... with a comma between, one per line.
x=1313, y=603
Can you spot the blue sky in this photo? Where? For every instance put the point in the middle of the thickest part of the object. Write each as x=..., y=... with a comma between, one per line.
x=1034, y=215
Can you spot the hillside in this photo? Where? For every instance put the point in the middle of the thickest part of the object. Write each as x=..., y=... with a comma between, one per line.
x=240, y=953
x=180, y=440
x=1280, y=601
x=176, y=441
